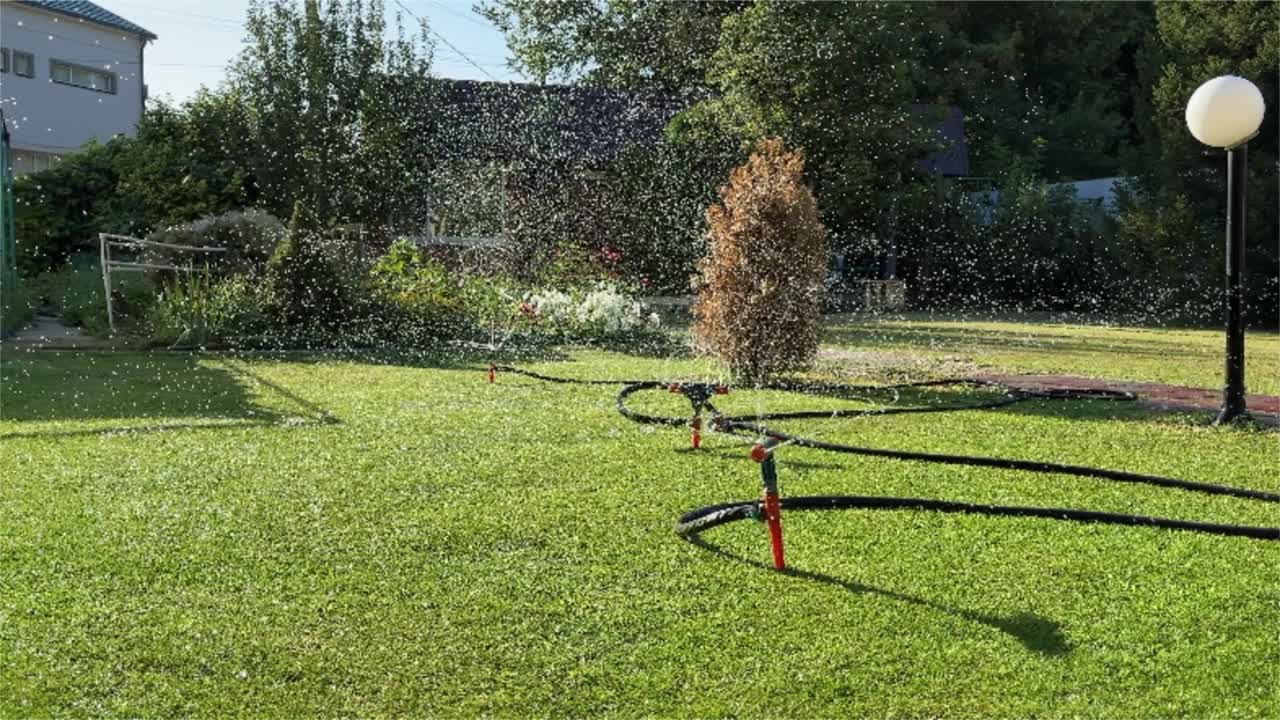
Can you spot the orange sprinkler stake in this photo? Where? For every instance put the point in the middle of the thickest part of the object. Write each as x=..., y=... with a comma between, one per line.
x=773, y=517
x=770, y=505
x=695, y=433
x=491, y=373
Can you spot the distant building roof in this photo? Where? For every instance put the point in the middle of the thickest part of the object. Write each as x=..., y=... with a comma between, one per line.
x=499, y=120
x=505, y=120
x=85, y=10
x=953, y=159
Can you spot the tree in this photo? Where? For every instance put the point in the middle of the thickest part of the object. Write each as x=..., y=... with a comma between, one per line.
x=1196, y=43
x=187, y=162
x=760, y=298
x=340, y=116
x=838, y=80
x=1051, y=79
x=615, y=43
x=302, y=284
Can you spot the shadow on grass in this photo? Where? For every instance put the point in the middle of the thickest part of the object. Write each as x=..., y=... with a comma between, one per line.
x=158, y=392
x=1036, y=633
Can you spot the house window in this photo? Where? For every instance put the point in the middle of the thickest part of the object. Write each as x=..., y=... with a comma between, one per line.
x=26, y=162
x=24, y=64
x=4, y=60
x=81, y=76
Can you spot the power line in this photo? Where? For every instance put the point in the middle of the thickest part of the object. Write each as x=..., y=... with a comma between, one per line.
x=444, y=6
x=183, y=13
x=444, y=40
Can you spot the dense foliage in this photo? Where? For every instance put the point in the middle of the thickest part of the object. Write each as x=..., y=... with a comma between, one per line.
x=330, y=106
x=301, y=278
x=1051, y=92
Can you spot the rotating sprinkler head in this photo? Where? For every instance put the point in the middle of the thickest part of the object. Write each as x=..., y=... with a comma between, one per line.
x=699, y=396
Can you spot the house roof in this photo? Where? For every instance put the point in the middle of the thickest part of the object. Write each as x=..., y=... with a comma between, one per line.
x=953, y=159
x=85, y=10
x=553, y=122
x=498, y=120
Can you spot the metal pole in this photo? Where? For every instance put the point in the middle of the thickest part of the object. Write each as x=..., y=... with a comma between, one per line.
x=1233, y=400
x=104, y=251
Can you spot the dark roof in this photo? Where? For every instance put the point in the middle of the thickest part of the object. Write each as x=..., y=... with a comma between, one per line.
x=497, y=120
x=86, y=10
x=953, y=159
x=478, y=119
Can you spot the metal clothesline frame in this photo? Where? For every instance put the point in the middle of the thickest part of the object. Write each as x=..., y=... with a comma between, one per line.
x=106, y=241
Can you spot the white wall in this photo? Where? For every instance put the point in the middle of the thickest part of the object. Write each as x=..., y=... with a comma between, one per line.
x=49, y=117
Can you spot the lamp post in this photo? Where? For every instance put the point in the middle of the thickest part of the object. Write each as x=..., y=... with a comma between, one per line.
x=1226, y=112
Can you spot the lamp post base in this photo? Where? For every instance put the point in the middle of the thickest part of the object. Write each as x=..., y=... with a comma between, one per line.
x=1233, y=415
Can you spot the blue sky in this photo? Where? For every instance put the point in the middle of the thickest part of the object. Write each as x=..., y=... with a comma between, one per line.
x=199, y=37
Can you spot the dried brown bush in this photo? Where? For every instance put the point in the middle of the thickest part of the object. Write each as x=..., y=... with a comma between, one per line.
x=760, y=286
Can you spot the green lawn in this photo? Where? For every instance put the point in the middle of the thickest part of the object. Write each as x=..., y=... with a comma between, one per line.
x=1177, y=357
x=185, y=535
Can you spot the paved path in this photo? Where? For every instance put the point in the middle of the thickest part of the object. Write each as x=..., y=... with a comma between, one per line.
x=1265, y=408
x=48, y=331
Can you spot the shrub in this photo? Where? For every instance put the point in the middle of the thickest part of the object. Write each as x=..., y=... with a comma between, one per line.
x=249, y=237
x=77, y=294
x=17, y=307
x=59, y=210
x=414, y=301
x=303, y=286
x=199, y=309
x=760, y=290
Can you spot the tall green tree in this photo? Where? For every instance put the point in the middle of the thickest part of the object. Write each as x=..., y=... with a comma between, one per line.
x=339, y=113
x=1184, y=180
x=838, y=80
x=612, y=43
x=1053, y=82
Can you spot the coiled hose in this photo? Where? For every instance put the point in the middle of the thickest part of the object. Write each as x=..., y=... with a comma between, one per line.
x=701, y=519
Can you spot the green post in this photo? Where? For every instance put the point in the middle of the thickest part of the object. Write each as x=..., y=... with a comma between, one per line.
x=8, y=245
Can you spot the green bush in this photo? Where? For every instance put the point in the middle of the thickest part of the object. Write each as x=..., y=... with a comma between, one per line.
x=249, y=237
x=303, y=285
x=77, y=294
x=200, y=309
x=62, y=209
x=414, y=300
x=17, y=307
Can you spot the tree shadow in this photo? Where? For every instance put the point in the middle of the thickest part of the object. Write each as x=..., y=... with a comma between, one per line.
x=151, y=392
x=1036, y=633
x=462, y=356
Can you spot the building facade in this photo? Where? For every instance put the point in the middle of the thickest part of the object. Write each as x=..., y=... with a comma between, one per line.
x=70, y=71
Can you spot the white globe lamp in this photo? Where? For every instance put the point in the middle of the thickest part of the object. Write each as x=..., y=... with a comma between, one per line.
x=1224, y=113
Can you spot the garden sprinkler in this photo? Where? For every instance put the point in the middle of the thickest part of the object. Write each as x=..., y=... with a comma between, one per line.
x=770, y=505
x=699, y=395
x=492, y=372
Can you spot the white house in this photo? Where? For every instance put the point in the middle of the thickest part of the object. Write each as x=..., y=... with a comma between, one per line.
x=70, y=70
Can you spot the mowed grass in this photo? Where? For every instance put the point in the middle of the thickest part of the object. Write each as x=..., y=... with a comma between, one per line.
x=202, y=535
x=1192, y=358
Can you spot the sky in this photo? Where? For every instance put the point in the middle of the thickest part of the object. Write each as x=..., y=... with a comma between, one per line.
x=198, y=38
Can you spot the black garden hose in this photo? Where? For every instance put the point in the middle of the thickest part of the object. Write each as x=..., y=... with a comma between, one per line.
x=696, y=521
